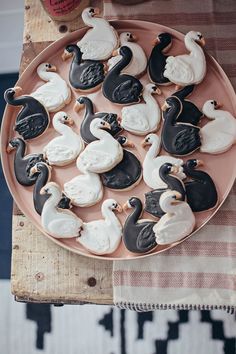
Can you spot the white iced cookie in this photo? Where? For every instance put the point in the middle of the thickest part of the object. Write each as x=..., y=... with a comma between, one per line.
x=152, y=163
x=142, y=118
x=65, y=148
x=138, y=63
x=103, y=236
x=187, y=69
x=178, y=222
x=103, y=154
x=55, y=93
x=59, y=223
x=85, y=189
x=99, y=42
x=218, y=135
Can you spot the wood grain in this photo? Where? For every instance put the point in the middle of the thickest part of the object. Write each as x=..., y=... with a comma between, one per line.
x=41, y=270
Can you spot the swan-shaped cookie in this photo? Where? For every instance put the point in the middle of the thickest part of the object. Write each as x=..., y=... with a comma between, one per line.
x=102, y=155
x=63, y=149
x=103, y=236
x=177, y=223
x=187, y=69
x=121, y=88
x=23, y=164
x=200, y=190
x=57, y=222
x=157, y=59
x=167, y=173
x=99, y=42
x=55, y=93
x=138, y=63
x=33, y=118
x=127, y=174
x=178, y=138
x=153, y=161
x=190, y=113
x=85, y=189
x=142, y=118
x=138, y=235
x=220, y=134
x=84, y=75
x=89, y=115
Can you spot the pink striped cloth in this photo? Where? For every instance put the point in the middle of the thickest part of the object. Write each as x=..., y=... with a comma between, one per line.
x=200, y=273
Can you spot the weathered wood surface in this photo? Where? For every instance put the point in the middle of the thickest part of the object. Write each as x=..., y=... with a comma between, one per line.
x=41, y=270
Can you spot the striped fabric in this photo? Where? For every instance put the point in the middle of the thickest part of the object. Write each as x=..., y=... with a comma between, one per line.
x=200, y=273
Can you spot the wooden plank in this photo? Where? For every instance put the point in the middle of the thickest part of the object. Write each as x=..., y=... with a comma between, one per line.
x=41, y=270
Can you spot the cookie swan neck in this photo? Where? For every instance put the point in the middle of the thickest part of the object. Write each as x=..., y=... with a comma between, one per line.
x=52, y=201
x=47, y=75
x=154, y=148
x=100, y=133
x=137, y=211
x=167, y=207
x=60, y=127
x=149, y=100
x=20, y=150
x=88, y=106
x=194, y=48
x=95, y=22
x=109, y=216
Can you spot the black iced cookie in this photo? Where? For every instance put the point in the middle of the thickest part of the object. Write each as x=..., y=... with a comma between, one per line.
x=152, y=198
x=121, y=88
x=200, y=190
x=157, y=60
x=33, y=119
x=178, y=138
x=89, y=115
x=126, y=173
x=84, y=74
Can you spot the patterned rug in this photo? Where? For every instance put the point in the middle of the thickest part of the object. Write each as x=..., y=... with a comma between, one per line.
x=88, y=329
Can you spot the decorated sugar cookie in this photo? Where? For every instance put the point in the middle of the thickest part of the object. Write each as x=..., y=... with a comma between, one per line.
x=33, y=118
x=42, y=172
x=218, y=135
x=103, y=236
x=23, y=164
x=187, y=69
x=153, y=161
x=178, y=138
x=99, y=42
x=200, y=189
x=85, y=189
x=84, y=75
x=63, y=149
x=89, y=115
x=190, y=113
x=102, y=155
x=122, y=88
x=138, y=235
x=168, y=175
x=157, y=59
x=178, y=221
x=127, y=174
x=55, y=93
x=142, y=118
x=138, y=63
x=57, y=222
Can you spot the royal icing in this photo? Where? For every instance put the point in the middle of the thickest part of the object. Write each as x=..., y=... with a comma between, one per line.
x=178, y=138
x=152, y=163
x=200, y=190
x=142, y=118
x=55, y=93
x=23, y=164
x=65, y=148
x=138, y=235
x=83, y=75
x=58, y=223
x=84, y=190
x=102, y=155
x=189, y=68
x=139, y=61
x=218, y=135
x=177, y=223
x=33, y=118
x=103, y=236
x=99, y=42
x=121, y=88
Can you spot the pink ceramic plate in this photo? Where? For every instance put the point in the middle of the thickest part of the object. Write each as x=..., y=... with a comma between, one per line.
x=215, y=85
